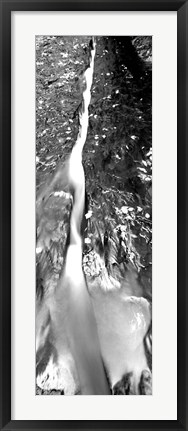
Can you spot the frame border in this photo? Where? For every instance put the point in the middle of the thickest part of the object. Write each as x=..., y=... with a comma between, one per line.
x=6, y=7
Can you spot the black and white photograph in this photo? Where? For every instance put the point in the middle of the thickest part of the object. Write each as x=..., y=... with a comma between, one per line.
x=93, y=122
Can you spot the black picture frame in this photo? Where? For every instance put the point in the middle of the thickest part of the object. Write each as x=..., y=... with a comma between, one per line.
x=6, y=7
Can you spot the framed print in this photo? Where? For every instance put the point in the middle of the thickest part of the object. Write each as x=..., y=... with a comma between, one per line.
x=93, y=298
